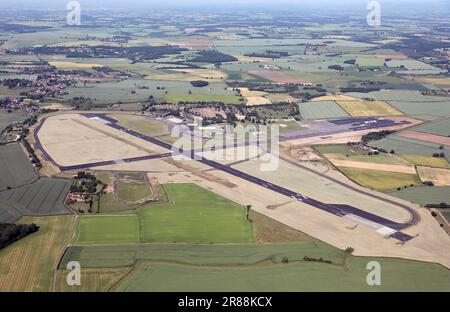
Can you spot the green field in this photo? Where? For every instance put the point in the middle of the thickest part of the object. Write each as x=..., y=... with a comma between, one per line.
x=132, y=187
x=207, y=254
x=141, y=124
x=336, y=149
x=344, y=152
x=253, y=267
x=425, y=194
x=398, y=275
x=427, y=161
x=369, y=61
x=196, y=98
x=15, y=168
x=321, y=110
x=8, y=118
x=406, y=146
x=439, y=127
x=108, y=229
x=28, y=264
x=382, y=181
x=46, y=196
x=193, y=215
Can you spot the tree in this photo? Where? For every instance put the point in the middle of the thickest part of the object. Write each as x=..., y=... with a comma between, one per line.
x=349, y=250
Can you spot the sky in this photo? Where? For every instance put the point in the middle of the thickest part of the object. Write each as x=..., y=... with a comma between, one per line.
x=170, y=4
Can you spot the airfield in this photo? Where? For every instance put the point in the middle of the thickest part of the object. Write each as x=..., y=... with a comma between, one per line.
x=325, y=205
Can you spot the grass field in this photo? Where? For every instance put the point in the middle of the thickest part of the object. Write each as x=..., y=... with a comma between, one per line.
x=108, y=229
x=336, y=149
x=321, y=110
x=132, y=187
x=439, y=176
x=439, y=127
x=125, y=255
x=255, y=267
x=141, y=124
x=15, y=168
x=407, y=146
x=28, y=264
x=164, y=267
x=195, y=98
x=44, y=197
x=427, y=161
x=9, y=118
x=382, y=181
x=397, y=275
x=93, y=280
x=425, y=194
x=193, y=215
x=361, y=108
x=344, y=152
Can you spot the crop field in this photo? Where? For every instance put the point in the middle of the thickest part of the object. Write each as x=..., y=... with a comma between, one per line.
x=73, y=65
x=321, y=110
x=411, y=103
x=413, y=67
x=285, y=277
x=195, y=98
x=399, y=95
x=108, y=229
x=440, y=177
x=380, y=159
x=383, y=181
x=425, y=194
x=93, y=280
x=28, y=264
x=245, y=267
x=369, y=61
x=46, y=196
x=278, y=77
x=193, y=215
x=9, y=118
x=427, y=161
x=439, y=127
x=15, y=168
x=9, y=211
x=199, y=254
x=361, y=108
x=437, y=139
x=346, y=157
x=407, y=146
x=132, y=187
x=121, y=92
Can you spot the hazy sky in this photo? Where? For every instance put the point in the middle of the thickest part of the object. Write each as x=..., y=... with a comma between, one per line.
x=326, y=4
